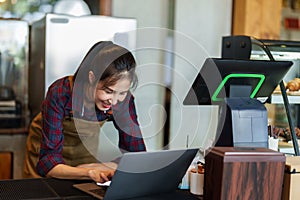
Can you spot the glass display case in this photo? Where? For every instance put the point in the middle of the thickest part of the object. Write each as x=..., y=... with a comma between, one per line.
x=14, y=45
x=288, y=51
x=280, y=50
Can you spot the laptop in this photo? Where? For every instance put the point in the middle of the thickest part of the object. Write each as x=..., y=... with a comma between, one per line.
x=142, y=174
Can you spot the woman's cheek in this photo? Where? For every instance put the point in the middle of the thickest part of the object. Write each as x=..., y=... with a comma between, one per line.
x=122, y=98
x=100, y=95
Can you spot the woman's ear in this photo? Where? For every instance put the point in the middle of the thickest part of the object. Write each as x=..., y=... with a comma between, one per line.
x=91, y=77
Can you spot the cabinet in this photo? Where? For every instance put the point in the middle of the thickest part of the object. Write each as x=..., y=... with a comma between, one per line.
x=12, y=145
x=6, y=165
x=259, y=167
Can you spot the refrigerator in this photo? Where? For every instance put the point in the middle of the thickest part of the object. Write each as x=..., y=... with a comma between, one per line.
x=58, y=43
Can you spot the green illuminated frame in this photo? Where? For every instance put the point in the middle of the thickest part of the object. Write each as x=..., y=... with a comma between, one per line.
x=254, y=92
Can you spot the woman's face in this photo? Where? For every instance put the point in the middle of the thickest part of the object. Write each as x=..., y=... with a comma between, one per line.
x=105, y=97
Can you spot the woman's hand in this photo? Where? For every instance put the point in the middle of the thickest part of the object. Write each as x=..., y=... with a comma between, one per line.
x=100, y=172
x=100, y=176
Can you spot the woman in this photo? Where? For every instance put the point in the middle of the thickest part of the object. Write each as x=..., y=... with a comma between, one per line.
x=75, y=108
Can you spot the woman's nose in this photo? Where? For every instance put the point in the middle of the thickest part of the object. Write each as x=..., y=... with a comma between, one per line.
x=114, y=100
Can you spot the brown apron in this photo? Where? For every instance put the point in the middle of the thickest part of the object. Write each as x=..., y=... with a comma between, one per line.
x=81, y=140
x=78, y=134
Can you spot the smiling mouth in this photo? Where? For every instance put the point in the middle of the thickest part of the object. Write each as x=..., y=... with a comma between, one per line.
x=106, y=105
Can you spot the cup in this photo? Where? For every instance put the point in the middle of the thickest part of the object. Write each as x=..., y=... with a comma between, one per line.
x=196, y=183
x=273, y=143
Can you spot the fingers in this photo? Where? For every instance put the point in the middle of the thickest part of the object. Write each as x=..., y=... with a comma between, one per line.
x=110, y=174
x=100, y=176
x=103, y=177
x=100, y=172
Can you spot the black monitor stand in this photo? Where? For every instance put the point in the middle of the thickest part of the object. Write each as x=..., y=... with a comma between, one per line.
x=245, y=123
x=246, y=120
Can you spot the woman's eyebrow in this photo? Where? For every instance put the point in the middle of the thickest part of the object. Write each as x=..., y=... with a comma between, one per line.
x=107, y=88
x=111, y=90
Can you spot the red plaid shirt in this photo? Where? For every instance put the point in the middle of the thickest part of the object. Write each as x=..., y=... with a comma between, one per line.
x=58, y=104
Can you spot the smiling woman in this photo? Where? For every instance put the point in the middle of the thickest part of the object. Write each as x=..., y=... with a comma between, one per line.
x=63, y=139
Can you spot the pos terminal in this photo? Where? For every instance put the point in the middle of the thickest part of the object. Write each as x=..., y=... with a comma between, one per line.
x=240, y=88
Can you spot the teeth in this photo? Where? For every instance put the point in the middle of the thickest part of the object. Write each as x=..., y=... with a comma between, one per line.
x=107, y=105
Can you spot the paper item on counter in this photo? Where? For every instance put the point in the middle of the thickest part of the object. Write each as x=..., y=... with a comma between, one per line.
x=273, y=143
x=184, y=185
x=107, y=183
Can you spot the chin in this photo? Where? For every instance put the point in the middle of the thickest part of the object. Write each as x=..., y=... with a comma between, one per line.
x=103, y=109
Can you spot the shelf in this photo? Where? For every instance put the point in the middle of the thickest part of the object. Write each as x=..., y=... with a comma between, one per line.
x=278, y=99
x=13, y=131
x=19, y=128
x=286, y=148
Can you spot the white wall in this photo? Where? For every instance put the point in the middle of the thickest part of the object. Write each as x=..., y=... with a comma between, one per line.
x=205, y=22
x=199, y=27
x=149, y=13
x=151, y=16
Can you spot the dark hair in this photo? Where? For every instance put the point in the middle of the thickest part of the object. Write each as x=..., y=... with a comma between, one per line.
x=109, y=63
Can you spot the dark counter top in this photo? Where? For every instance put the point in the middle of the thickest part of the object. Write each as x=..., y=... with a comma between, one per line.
x=51, y=188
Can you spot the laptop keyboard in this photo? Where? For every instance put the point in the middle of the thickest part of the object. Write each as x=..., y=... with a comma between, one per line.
x=100, y=191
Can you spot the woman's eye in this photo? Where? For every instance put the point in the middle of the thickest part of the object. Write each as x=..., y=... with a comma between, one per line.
x=108, y=91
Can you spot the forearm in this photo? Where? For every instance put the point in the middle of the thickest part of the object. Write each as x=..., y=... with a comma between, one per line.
x=99, y=172
x=63, y=171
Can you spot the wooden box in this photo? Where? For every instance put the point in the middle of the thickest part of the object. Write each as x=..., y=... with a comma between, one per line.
x=233, y=173
x=291, y=181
